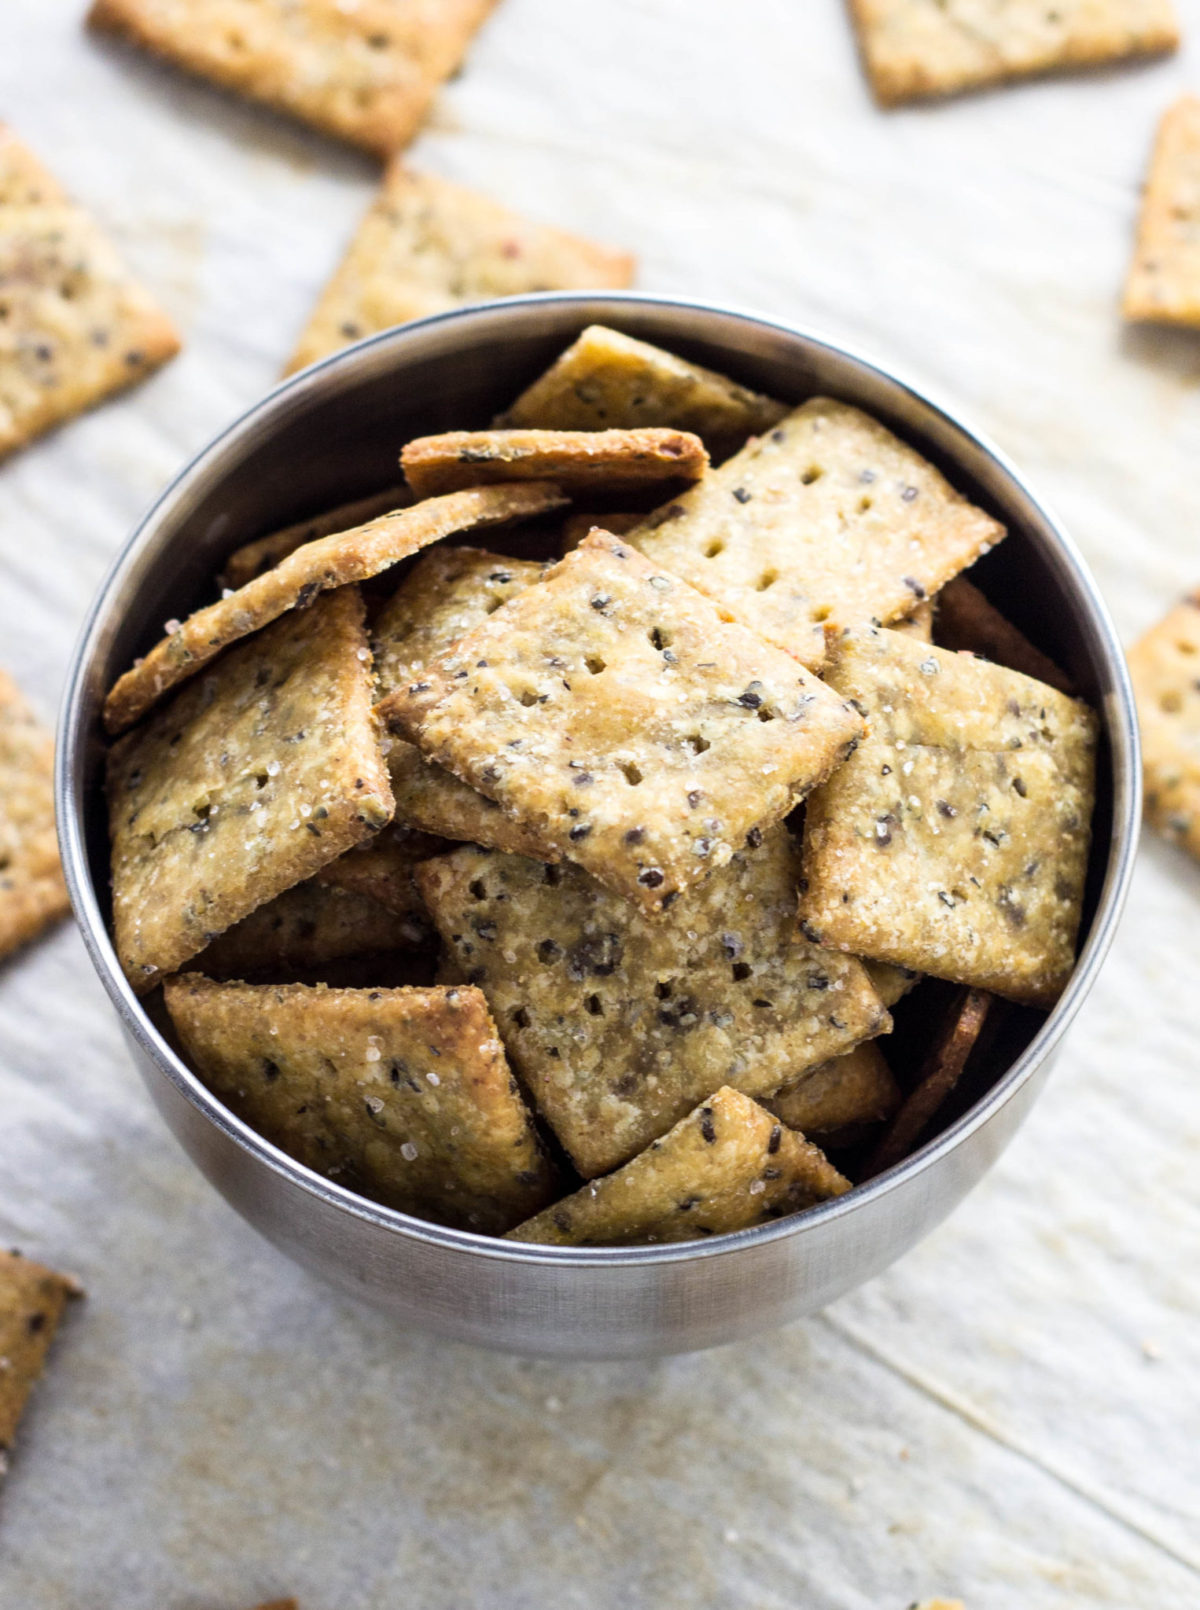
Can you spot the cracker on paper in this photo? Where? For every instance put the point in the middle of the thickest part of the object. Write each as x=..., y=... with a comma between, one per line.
x=402, y=1095
x=915, y=49
x=329, y=562
x=1165, y=667
x=614, y=712
x=74, y=324
x=855, y=1088
x=968, y=622
x=264, y=553
x=427, y=245
x=32, y=1299
x=576, y=526
x=940, y=1073
x=826, y=521
x=620, y=1022
x=366, y=71
x=250, y=780
x=1164, y=278
x=955, y=840
x=580, y=461
x=609, y=381
x=32, y=891
x=381, y=868
x=725, y=1167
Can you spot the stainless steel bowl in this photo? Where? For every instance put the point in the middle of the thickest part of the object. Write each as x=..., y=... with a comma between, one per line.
x=331, y=434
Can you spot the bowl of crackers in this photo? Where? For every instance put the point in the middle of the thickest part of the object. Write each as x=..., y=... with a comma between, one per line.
x=595, y=813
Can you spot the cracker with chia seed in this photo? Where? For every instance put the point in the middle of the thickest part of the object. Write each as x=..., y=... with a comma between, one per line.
x=580, y=461
x=856, y=1088
x=727, y=1166
x=917, y=49
x=402, y=1095
x=1165, y=667
x=955, y=840
x=940, y=1073
x=427, y=245
x=264, y=553
x=1164, y=278
x=381, y=868
x=619, y=1022
x=826, y=521
x=614, y=712
x=968, y=622
x=329, y=562
x=75, y=326
x=609, y=381
x=32, y=891
x=32, y=1299
x=361, y=70
x=250, y=780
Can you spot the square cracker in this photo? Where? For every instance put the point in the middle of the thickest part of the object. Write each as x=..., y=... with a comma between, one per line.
x=580, y=461
x=252, y=779
x=1164, y=278
x=332, y=561
x=725, y=1167
x=614, y=712
x=264, y=553
x=856, y=1088
x=1165, y=666
x=32, y=1299
x=828, y=520
x=619, y=1023
x=32, y=891
x=401, y=1095
x=955, y=841
x=914, y=49
x=362, y=70
x=427, y=245
x=74, y=325
x=606, y=381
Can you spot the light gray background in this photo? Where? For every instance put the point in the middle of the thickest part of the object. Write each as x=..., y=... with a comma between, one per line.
x=1010, y=1414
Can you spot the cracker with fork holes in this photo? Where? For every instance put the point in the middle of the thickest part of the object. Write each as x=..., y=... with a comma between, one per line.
x=32, y=891
x=1165, y=667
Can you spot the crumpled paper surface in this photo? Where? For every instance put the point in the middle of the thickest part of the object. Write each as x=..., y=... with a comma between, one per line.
x=1009, y=1415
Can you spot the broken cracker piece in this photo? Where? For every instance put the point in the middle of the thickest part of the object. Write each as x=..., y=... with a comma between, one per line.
x=828, y=520
x=361, y=70
x=609, y=381
x=857, y=1087
x=968, y=622
x=916, y=49
x=580, y=461
x=401, y=1095
x=32, y=891
x=727, y=1166
x=1165, y=667
x=249, y=781
x=615, y=713
x=955, y=841
x=1164, y=278
x=940, y=1073
x=264, y=553
x=75, y=327
x=330, y=562
x=32, y=1299
x=618, y=1022
x=427, y=245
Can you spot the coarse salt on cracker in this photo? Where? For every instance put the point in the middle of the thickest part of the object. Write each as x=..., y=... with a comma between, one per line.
x=74, y=325
x=606, y=380
x=725, y=1167
x=428, y=245
x=362, y=70
x=580, y=461
x=264, y=553
x=249, y=781
x=914, y=49
x=402, y=1095
x=614, y=712
x=855, y=1088
x=828, y=520
x=1165, y=667
x=1164, y=278
x=32, y=891
x=955, y=840
x=619, y=1022
x=329, y=562
x=32, y=1299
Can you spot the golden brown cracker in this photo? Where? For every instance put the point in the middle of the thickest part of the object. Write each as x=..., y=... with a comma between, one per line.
x=401, y=1095
x=1165, y=667
x=920, y=623
x=32, y=1299
x=1164, y=278
x=381, y=868
x=32, y=891
x=24, y=182
x=264, y=553
x=856, y=1088
x=580, y=461
x=967, y=622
